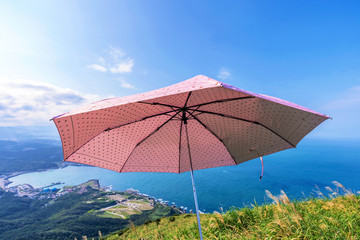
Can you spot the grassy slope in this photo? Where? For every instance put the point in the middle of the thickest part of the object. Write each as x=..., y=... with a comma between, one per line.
x=337, y=218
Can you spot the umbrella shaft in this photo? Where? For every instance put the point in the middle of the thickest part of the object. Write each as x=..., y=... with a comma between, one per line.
x=196, y=204
x=193, y=183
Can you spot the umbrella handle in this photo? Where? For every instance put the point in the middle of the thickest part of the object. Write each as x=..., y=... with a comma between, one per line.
x=262, y=166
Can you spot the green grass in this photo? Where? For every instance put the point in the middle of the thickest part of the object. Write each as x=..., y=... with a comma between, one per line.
x=119, y=206
x=332, y=217
x=91, y=183
x=110, y=215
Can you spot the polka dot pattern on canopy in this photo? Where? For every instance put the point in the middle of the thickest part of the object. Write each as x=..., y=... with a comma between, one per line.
x=213, y=94
x=243, y=139
x=284, y=120
x=112, y=148
x=177, y=100
x=65, y=129
x=206, y=150
x=287, y=121
x=77, y=130
x=158, y=153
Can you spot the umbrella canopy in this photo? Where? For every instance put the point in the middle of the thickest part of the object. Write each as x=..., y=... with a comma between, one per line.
x=154, y=132
x=199, y=123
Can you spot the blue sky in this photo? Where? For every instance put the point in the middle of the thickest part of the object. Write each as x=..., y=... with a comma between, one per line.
x=58, y=55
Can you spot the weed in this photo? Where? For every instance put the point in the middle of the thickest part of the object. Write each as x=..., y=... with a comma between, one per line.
x=335, y=214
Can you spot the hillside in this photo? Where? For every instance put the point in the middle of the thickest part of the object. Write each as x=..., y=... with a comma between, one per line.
x=73, y=211
x=323, y=218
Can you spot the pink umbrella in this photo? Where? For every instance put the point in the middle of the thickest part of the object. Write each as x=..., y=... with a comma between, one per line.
x=195, y=124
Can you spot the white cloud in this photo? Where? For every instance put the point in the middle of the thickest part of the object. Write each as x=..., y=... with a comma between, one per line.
x=124, y=67
x=223, y=74
x=102, y=60
x=97, y=67
x=351, y=98
x=345, y=113
x=126, y=84
x=117, y=62
x=117, y=53
x=29, y=103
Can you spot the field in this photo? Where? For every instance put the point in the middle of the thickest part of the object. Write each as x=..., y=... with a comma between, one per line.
x=126, y=208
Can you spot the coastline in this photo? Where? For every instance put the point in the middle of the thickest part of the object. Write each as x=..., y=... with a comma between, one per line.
x=83, y=209
x=61, y=165
x=4, y=178
x=19, y=189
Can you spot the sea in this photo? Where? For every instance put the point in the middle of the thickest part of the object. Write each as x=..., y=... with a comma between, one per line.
x=299, y=172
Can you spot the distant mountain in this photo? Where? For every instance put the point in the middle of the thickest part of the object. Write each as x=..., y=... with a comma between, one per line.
x=29, y=155
x=20, y=133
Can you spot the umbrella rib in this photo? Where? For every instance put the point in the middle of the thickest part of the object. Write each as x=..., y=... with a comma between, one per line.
x=187, y=99
x=73, y=131
x=301, y=123
x=212, y=132
x=156, y=115
x=222, y=100
x=161, y=104
x=86, y=155
x=157, y=129
x=249, y=121
x=181, y=124
x=193, y=110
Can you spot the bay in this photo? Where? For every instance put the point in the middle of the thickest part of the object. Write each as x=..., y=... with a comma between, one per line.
x=296, y=171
